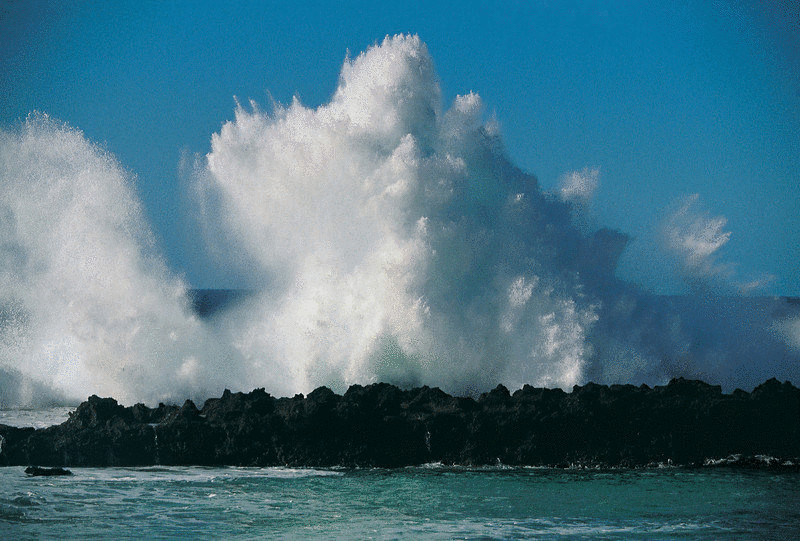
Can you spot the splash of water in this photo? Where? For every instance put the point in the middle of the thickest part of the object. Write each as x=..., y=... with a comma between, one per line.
x=391, y=239
x=85, y=301
x=399, y=242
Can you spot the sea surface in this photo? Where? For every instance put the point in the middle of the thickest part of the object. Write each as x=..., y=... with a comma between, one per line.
x=425, y=502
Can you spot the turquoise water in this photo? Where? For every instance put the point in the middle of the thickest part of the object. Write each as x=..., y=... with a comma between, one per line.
x=432, y=502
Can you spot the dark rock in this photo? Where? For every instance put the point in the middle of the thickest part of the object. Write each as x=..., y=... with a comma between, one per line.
x=36, y=471
x=683, y=423
x=97, y=411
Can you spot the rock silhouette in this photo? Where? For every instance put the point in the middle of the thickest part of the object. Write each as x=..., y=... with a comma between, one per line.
x=36, y=471
x=684, y=423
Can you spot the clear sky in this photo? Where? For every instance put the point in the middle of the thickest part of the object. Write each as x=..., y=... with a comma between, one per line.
x=667, y=99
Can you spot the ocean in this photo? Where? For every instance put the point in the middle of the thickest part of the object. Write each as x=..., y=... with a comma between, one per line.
x=431, y=501
x=426, y=502
x=387, y=238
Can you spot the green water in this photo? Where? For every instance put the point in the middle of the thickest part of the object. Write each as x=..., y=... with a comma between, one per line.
x=427, y=502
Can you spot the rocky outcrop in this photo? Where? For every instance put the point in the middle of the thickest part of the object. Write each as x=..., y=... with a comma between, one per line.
x=685, y=422
x=36, y=471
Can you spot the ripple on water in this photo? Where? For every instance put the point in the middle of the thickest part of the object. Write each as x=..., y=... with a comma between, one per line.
x=16, y=505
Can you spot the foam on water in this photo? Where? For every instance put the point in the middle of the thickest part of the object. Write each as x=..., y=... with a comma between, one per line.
x=390, y=239
x=405, y=503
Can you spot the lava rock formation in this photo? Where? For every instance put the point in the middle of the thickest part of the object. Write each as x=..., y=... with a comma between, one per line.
x=684, y=423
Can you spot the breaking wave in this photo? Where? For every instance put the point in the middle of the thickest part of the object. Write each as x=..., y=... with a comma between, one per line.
x=86, y=303
x=388, y=239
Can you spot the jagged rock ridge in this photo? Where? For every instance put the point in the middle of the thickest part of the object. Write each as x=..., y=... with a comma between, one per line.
x=685, y=422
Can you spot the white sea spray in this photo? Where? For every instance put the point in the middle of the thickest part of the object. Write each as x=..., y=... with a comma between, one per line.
x=387, y=238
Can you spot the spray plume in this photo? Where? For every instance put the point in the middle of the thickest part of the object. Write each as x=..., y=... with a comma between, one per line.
x=389, y=239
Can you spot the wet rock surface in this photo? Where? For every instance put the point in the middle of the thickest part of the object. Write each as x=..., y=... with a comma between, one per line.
x=36, y=471
x=684, y=423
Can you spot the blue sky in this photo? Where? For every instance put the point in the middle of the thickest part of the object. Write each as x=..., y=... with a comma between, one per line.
x=667, y=100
